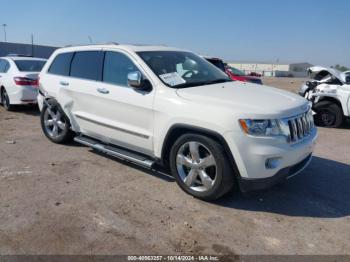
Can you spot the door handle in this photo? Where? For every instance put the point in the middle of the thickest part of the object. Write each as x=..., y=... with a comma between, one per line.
x=64, y=83
x=103, y=90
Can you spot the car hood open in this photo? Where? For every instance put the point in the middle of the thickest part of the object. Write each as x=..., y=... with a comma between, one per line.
x=316, y=70
x=250, y=98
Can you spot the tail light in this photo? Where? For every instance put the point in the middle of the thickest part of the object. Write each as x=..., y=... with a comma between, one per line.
x=25, y=81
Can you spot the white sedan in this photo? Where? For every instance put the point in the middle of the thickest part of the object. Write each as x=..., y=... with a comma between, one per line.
x=19, y=80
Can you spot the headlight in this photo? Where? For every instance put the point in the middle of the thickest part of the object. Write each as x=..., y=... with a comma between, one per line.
x=261, y=127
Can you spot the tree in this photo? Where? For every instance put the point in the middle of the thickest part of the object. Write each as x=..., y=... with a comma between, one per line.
x=340, y=68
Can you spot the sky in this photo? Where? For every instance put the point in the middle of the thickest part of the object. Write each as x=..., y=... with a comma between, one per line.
x=315, y=31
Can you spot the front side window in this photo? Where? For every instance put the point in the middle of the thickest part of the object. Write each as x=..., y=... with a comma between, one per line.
x=116, y=68
x=61, y=64
x=87, y=65
x=179, y=69
x=29, y=65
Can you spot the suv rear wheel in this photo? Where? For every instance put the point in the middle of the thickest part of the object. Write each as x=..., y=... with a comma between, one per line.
x=55, y=123
x=329, y=114
x=200, y=167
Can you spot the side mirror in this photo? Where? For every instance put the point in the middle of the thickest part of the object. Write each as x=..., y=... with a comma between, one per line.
x=135, y=79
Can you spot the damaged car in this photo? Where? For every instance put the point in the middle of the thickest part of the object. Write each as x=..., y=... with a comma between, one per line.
x=329, y=91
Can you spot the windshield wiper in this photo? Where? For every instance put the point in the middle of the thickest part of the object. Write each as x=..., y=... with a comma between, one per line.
x=218, y=81
x=202, y=83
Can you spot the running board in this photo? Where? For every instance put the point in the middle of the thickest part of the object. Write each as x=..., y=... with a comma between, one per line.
x=115, y=151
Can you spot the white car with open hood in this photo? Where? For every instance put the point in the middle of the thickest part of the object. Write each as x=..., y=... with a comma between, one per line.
x=329, y=91
x=154, y=104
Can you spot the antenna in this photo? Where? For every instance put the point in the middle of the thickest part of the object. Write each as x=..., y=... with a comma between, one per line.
x=4, y=25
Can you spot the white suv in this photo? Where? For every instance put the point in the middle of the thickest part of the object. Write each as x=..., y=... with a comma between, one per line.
x=149, y=104
x=19, y=80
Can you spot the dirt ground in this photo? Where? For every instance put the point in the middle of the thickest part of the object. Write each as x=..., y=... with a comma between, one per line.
x=57, y=199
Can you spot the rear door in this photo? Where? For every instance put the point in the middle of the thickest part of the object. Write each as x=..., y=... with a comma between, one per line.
x=78, y=92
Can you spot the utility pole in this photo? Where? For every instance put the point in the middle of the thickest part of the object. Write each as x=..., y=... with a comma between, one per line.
x=32, y=38
x=5, y=37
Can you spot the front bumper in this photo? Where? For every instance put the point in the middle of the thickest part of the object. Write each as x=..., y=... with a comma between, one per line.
x=268, y=159
x=247, y=185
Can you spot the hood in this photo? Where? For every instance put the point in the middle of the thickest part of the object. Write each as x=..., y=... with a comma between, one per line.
x=252, y=99
x=319, y=72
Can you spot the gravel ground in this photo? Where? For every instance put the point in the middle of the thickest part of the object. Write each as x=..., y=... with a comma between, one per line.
x=59, y=199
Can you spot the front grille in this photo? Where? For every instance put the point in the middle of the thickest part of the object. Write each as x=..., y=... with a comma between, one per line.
x=299, y=127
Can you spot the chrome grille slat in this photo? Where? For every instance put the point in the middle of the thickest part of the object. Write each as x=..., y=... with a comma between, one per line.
x=299, y=126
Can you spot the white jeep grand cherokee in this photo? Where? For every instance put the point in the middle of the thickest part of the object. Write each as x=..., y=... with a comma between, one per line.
x=150, y=104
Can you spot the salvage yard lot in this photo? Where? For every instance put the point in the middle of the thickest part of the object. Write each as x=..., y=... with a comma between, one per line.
x=71, y=200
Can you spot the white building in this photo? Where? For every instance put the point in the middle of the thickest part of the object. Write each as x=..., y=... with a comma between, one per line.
x=273, y=69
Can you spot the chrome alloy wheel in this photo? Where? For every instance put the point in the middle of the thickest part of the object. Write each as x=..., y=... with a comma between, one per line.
x=54, y=122
x=196, y=166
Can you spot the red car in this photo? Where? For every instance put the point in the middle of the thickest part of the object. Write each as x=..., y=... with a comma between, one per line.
x=232, y=72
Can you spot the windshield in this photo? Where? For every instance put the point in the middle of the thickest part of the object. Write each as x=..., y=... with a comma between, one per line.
x=182, y=69
x=30, y=65
x=236, y=72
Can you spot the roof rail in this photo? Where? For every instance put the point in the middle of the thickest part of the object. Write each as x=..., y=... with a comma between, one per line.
x=112, y=43
x=18, y=55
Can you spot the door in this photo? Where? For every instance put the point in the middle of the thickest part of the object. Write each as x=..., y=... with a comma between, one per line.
x=105, y=107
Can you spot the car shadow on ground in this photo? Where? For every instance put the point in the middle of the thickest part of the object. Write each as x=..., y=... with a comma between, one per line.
x=322, y=190
x=32, y=110
x=346, y=124
x=157, y=170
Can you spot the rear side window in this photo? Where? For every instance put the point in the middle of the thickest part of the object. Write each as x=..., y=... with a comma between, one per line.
x=2, y=65
x=61, y=64
x=87, y=65
x=116, y=68
x=29, y=65
x=7, y=66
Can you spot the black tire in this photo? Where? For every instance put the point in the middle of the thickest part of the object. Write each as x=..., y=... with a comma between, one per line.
x=5, y=100
x=328, y=114
x=224, y=180
x=64, y=135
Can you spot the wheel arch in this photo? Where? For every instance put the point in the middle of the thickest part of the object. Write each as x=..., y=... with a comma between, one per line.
x=332, y=99
x=179, y=129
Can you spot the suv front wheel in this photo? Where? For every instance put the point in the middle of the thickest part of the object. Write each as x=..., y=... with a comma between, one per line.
x=55, y=123
x=200, y=167
x=329, y=114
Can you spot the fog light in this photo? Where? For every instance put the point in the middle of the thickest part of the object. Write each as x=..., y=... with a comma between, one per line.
x=272, y=163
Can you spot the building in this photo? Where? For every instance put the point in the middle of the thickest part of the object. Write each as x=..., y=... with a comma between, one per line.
x=273, y=69
x=26, y=49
